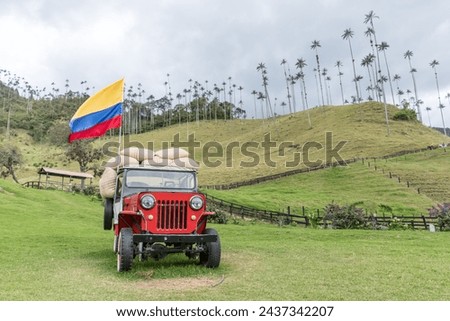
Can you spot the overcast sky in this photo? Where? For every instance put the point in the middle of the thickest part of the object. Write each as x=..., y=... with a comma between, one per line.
x=48, y=41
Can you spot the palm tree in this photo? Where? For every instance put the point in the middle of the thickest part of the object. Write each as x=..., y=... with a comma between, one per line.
x=396, y=78
x=254, y=93
x=367, y=62
x=292, y=81
x=433, y=65
x=383, y=47
x=407, y=55
x=300, y=64
x=339, y=65
x=369, y=19
x=428, y=113
x=315, y=45
x=261, y=98
x=265, y=81
x=347, y=35
x=283, y=63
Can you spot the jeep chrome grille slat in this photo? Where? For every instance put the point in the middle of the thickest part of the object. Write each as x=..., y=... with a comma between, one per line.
x=172, y=215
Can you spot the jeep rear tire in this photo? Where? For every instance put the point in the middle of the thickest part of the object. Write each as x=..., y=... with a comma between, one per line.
x=126, y=250
x=108, y=214
x=211, y=257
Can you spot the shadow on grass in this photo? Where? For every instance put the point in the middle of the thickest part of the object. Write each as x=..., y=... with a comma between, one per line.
x=171, y=267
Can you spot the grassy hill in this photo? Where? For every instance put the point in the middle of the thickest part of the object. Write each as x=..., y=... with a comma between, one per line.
x=362, y=128
x=359, y=130
x=53, y=248
x=356, y=183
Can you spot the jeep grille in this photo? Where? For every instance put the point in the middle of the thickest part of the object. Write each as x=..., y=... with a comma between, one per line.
x=172, y=215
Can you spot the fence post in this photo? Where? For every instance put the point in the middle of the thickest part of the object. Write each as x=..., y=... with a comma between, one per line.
x=231, y=208
x=424, y=222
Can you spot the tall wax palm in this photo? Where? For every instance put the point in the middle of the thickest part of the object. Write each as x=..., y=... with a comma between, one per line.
x=300, y=64
x=286, y=78
x=373, y=63
x=407, y=55
x=428, y=113
x=340, y=74
x=367, y=62
x=383, y=47
x=396, y=78
x=347, y=35
x=261, y=98
x=254, y=93
x=292, y=82
x=325, y=75
x=315, y=45
x=369, y=19
x=433, y=65
x=265, y=81
x=328, y=82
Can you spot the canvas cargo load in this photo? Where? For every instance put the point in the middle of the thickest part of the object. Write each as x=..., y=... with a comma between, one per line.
x=172, y=153
x=107, y=183
x=140, y=154
x=120, y=161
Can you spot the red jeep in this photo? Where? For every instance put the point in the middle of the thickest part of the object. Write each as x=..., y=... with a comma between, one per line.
x=157, y=210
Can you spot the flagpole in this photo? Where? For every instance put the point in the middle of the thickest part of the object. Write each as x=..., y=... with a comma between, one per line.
x=120, y=128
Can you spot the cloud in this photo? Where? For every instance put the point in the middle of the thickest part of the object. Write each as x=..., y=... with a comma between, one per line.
x=143, y=41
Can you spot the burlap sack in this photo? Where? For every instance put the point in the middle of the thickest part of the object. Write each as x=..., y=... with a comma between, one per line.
x=120, y=161
x=107, y=183
x=184, y=162
x=172, y=153
x=155, y=161
x=140, y=154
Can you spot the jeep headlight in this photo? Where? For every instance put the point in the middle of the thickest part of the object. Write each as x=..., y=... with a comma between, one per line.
x=148, y=201
x=196, y=203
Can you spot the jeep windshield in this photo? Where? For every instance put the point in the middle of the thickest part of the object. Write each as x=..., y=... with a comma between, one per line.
x=144, y=180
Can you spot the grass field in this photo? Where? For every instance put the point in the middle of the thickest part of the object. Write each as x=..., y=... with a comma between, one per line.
x=355, y=183
x=53, y=248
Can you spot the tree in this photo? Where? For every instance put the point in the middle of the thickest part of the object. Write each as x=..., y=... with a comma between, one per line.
x=286, y=78
x=383, y=47
x=83, y=153
x=433, y=65
x=10, y=158
x=347, y=35
x=265, y=81
x=339, y=65
x=369, y=19
x=407, y=55
x=300, y=64
x=314, y=46
x=428, y=113
x=367, y=62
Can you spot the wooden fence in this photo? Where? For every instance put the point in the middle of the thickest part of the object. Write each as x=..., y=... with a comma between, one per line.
x=286, y=218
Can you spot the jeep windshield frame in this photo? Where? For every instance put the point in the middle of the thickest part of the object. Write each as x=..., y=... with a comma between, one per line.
x=137, y=180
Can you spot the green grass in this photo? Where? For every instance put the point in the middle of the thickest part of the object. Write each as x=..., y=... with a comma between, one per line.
x=53, y=248
x=427, y=171
x=355, y=183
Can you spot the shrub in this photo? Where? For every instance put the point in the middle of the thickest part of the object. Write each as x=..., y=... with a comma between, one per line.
x=405, y=115
x=397, y=224
x=220, y=217
x=442, y=212
x=344, y=217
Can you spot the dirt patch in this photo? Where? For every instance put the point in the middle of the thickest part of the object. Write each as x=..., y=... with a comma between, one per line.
x=181, y=283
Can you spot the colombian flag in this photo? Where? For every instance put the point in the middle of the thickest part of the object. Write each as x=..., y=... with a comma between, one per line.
x=98, y=113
